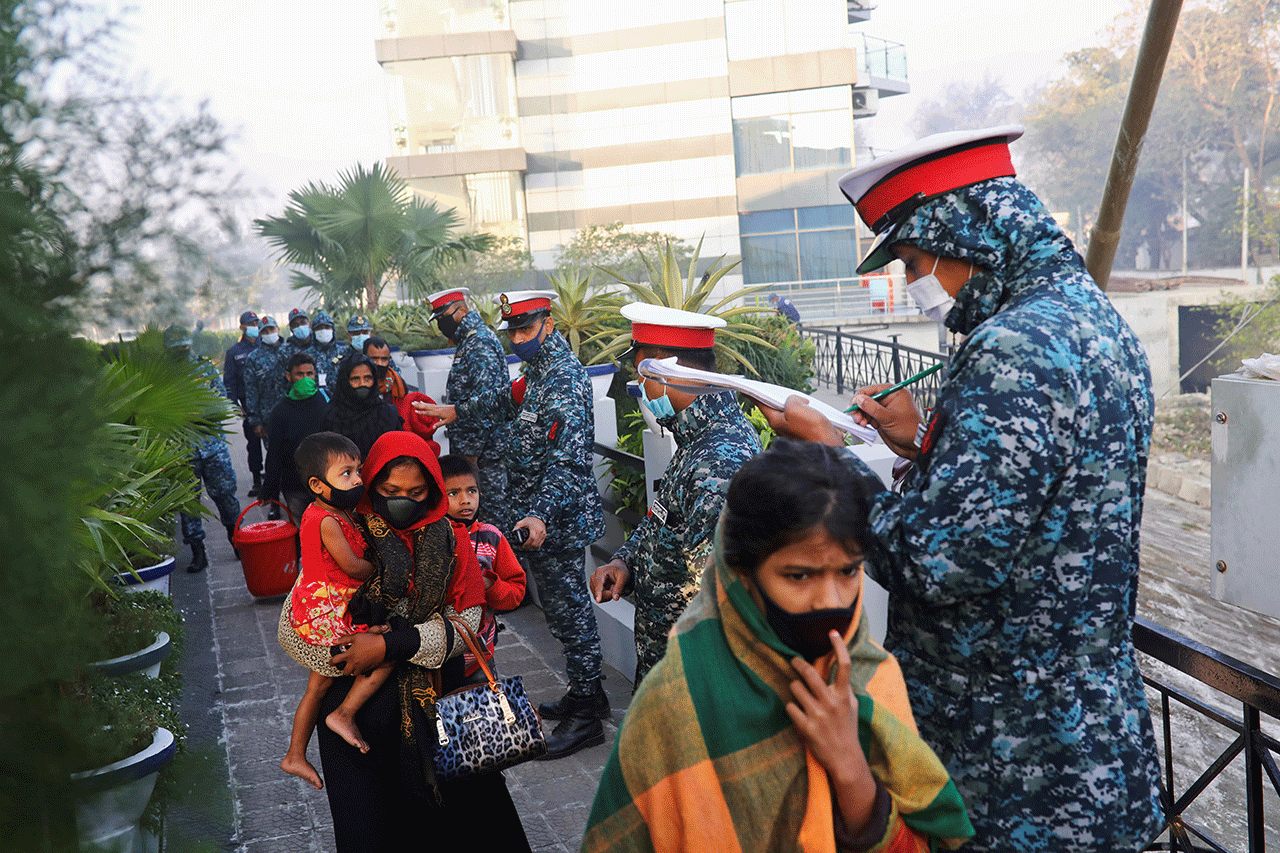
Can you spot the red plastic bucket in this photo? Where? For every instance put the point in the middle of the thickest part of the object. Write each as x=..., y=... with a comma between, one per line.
x=268, y=553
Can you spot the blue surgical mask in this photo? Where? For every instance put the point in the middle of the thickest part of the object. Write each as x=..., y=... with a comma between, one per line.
x=357, y=342
x=527, y=350
x=302, y=332
x=660, y=407
x=251, y=332
x=927, y=292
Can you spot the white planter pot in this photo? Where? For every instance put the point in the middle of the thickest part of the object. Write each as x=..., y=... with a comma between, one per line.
x=432, y=359
x=146, y=660
x=153, y=577
x=601, y=378
x=114, y=798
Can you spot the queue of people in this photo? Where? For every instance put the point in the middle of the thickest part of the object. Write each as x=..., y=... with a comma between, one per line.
x=1006, y=709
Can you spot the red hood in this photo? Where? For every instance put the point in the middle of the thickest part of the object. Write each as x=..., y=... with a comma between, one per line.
x=391, y=445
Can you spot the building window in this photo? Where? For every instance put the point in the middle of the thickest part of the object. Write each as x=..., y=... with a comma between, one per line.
x=799, y=244
x=808, y=130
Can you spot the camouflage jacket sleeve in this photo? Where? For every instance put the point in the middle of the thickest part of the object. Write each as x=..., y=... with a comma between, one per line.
x=494, y=402
x=569, y=436
x=252, y=376
x=479, y=367
x=992, y=460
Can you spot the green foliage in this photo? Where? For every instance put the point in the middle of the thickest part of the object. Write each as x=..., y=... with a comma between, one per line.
x=670, y=286
x=213, y=345
x=584, y=313
x=1247, y=329
x=627, y=485
x=363, y=233
x=408, y=327
x=757, y=420
x=131, y=622
x=618, y=248
x=786, y=359
x=506, y=265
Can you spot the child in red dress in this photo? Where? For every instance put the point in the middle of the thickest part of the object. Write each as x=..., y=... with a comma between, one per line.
x=504, y=581
x=331, y=571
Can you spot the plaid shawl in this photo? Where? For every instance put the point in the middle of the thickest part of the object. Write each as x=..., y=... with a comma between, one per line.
x=708, y=760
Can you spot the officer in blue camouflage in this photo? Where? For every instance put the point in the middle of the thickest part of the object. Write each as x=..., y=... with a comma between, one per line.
x=479, y=367
x=264, y=382
x=233, y=378
x=359, y=330
x=299, y=339
x=552, y=490
x=327, y=351
x=658, y=561
x=1011, y=555
x=210, y=459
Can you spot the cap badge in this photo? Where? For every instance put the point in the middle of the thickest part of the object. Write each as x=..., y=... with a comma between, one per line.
x=504, y=305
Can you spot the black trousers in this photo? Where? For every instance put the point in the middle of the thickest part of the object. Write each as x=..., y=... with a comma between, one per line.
x=254, y=445
x=372, y=811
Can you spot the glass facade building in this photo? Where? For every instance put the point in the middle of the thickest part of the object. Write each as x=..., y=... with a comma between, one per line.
x=726, y=121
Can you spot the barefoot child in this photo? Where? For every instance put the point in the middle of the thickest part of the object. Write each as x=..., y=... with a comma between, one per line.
x=504, y=581
x=330, y=573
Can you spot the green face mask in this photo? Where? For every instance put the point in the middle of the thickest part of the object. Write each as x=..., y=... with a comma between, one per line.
x=303, y=388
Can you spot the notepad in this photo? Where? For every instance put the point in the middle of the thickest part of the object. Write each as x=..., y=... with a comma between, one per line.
x=691, y=380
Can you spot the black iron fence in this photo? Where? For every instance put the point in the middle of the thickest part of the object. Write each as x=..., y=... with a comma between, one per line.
x=1257, y=693
x=846, y=362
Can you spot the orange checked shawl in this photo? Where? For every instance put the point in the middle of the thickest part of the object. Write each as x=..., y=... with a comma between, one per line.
x=708, y=760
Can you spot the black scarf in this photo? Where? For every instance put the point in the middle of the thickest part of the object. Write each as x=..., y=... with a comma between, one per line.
x=361, y=420
x=420, y=579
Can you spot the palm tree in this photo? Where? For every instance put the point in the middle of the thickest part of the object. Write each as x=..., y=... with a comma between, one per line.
x=364, y=232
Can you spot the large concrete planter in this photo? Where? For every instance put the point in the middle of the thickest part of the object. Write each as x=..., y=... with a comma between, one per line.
x=146, y=660
x=113, y=798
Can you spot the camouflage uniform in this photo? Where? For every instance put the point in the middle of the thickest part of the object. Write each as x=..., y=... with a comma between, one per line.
x=713, y=439
x=550, y=478
x=291, y=346
x=211, y=461
x=1013, y=551
x=480, y=365
x=328, y=356
x=264, y=383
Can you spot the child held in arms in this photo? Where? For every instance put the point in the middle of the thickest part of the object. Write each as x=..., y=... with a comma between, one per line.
x=504, y=580
x=330, y=573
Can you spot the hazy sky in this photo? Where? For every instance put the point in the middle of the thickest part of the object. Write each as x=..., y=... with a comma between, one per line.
x=299, y=80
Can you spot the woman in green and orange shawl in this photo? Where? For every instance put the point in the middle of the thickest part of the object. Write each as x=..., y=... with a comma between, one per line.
x=774, y=723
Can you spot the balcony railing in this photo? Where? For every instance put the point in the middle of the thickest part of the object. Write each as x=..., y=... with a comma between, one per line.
x=830, y=300
x=884, y=58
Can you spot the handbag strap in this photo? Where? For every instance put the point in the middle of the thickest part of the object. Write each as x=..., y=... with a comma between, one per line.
x=469, y=637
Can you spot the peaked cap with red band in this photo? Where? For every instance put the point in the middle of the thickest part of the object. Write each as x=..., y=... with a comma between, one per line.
x=442, y=298
x=519, y=308
x=888, y=190
x=659, y=326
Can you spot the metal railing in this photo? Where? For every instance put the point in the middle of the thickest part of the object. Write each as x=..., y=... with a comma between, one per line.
x=884, y=58
x=831, y=300
x=845, y=362
x=1256, y=692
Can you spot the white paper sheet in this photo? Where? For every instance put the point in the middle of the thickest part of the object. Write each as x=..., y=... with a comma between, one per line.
x=691, y=380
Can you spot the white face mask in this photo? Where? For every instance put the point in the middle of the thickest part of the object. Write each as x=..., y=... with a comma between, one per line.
x=271, y=338
x=929, y=294
x=323, y=336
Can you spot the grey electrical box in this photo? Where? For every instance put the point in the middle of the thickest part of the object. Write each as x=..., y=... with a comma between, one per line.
x=1244, y=542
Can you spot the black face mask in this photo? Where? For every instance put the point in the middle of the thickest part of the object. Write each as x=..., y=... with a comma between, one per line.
x=363, y=392
x=400, y=512
x=806, y=633
x=379, y=374
x=344, y=498
x=448, y=326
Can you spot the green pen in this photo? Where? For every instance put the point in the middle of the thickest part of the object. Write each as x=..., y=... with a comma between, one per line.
x=898, y=386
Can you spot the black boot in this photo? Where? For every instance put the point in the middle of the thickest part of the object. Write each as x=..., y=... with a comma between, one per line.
x=594, y=705
x=231, y=530
x=575, y=732
x=199, y=559
x=257, y=484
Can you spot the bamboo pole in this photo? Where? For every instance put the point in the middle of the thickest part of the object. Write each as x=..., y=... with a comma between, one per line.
x=1104, y=237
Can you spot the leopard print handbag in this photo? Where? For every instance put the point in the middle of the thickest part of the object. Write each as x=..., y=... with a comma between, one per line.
x=487, y=726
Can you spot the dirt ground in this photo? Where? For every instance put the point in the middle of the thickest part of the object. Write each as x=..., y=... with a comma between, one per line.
x=1182, y=427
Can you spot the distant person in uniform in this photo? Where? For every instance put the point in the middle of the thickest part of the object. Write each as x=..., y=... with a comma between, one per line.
x=552, y=491
x=210, y=459
x=328, y=351
x=713, y=439
x=264, y=379
x=479, y=367
x=785, y=307
x=233, y=379
x=299, y=339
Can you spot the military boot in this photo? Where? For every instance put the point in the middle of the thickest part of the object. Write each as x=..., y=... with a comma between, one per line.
x=199, y=559
x=257, y=484
x=575, y=732
x=595, y=704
